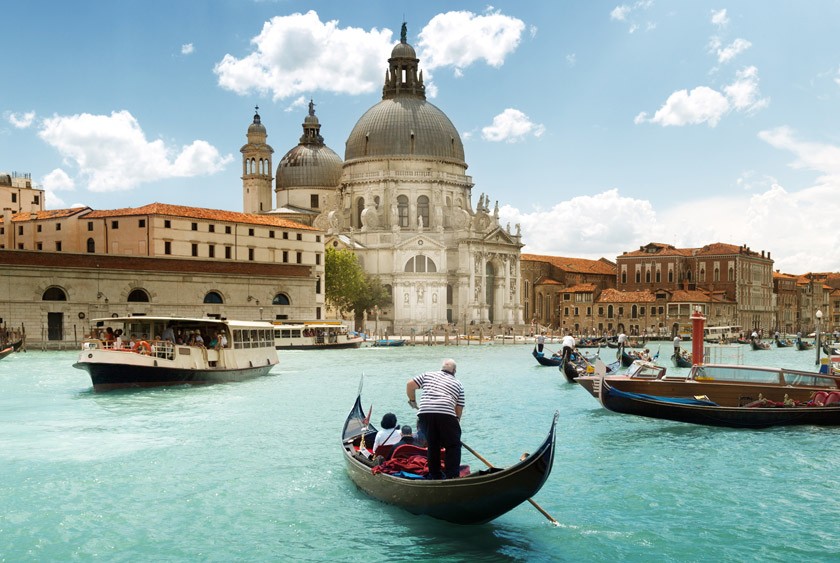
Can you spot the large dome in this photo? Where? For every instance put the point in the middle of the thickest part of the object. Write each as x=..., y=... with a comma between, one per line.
x=309, y=166
x=404, y=126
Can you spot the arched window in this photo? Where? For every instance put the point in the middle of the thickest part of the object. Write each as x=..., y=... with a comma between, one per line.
x=702, y=275
x=670, y=276
x=716, y=275
x=54, y=294
x=213, y=297
x=638, y=276
x=402, y=210
x=281, y=299
x=360, y=206
x=138, y=296
x=623, y=277
x=658, y=276
x=423, y=211
x=421, y=264
x=647, y=276
x=731, y=274
x=91, y=245
x=610, y=311
x=634, y=311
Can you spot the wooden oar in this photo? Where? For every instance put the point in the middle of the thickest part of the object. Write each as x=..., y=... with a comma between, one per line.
x=532, y=501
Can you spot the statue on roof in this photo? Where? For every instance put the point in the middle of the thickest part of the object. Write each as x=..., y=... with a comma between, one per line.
x=403, y=33
x=311, y=107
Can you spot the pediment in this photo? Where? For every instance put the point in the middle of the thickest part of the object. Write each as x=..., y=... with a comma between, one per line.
x=419, y=243
x=499, y=236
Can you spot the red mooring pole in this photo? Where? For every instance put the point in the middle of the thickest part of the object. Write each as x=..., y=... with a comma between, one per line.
x=698, y=321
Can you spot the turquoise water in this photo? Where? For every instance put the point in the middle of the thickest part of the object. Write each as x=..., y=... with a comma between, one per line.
x=254, y=472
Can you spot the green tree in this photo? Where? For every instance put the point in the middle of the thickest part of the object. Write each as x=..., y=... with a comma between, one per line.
x=344, y=280
x=373, y=295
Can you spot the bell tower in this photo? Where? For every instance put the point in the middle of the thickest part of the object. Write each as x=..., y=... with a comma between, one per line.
x=256, y=169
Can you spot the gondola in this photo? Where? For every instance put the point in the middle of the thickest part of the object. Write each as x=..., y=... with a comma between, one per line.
x=543, y=360
x=627, y=358
x=474, y=499
x=699, y=410
x=681, y=361
x=783, y=343
x=6, y=351
x=803, y=345
x=759, y=345
x=569, y=368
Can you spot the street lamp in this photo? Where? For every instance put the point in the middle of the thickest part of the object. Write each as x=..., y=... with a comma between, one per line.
x=819, y=318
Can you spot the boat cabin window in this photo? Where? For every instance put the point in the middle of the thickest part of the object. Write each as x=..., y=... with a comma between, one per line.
x=807, y=380
x=253, y=338
x=737, y=373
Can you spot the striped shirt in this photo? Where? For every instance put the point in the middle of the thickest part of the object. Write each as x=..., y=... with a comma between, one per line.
x=441, y=393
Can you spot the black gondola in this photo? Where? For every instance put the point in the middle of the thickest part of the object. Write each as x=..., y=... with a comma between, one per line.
x=627, y=358
x=681, y=361
x=702, y=411
x=474, y=499
x=759, y=345
x=803, y=345
x=543, y=360
x=782, y=343
x=6, y=351
x=569, y=368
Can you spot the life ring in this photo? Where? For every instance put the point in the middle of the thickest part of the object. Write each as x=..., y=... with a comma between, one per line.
x=141, y=346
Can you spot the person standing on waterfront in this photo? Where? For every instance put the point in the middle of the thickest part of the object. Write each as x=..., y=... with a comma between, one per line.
x=439, y=414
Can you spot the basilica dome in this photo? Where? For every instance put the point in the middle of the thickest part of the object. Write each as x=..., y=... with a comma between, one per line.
x=311, y=163
x=404, y=123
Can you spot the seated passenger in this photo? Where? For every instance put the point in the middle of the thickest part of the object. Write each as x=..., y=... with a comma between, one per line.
x=389, y=434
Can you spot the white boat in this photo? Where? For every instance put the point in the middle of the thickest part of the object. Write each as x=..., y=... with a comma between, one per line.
x=309, y=335
x=160, y=351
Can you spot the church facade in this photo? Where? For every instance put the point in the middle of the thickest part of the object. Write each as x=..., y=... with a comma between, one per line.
x=402, y=201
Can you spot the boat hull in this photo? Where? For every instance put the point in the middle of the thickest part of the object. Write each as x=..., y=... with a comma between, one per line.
x=324, y=346
x=107, y=377
x=715, y=415
x=546, y=361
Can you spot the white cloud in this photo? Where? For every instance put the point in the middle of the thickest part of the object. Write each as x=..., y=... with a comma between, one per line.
x=187, y=49
x=809, y=155
x=299, y=102
x=627, y=13
x=299, y=54
x=744, y=93
x=58, y=180
x=589, y=225
x=459, y=39
x=701, y=105
x=571, y=59
x=620, y=12
x=112, y=152
x=719, y=17
x=774, y=221
x=21, y=120
x=706, y=105
x=732, y=50
x=511, y=126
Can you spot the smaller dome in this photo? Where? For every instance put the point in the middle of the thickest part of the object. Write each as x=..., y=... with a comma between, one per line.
x=256, y=126
x=403, y=51
x=309, y=166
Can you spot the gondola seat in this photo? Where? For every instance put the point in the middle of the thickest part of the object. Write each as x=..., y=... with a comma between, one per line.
x=408, y=450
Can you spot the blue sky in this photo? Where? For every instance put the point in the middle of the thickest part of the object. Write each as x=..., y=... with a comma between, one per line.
x=597, y=126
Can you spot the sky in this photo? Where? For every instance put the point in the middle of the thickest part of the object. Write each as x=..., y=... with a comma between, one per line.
x=596, y=126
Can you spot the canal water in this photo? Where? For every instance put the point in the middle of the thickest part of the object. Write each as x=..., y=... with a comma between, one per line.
x=253, y=471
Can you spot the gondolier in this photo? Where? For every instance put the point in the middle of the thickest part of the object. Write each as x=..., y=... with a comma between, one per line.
x=439, y=416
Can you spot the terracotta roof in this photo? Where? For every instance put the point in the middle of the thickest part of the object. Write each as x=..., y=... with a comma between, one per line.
x=576, y=265
x=615, y=296
x=545, y=280
x=693, y=296
x=780, y=275
x=659, y=249
x=201, y=213
x=47, y=214
x=581, y=288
